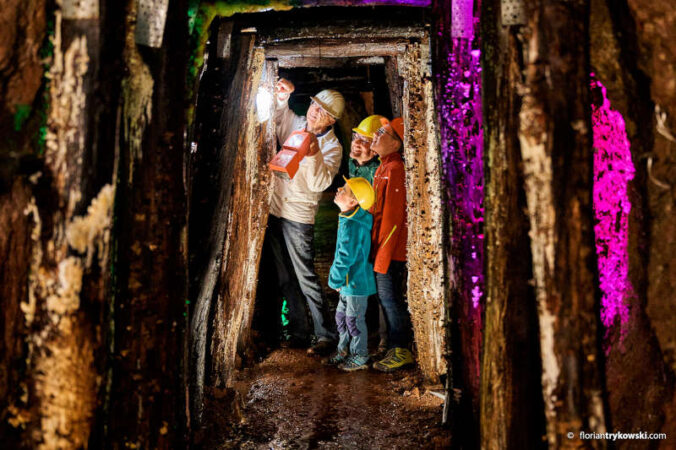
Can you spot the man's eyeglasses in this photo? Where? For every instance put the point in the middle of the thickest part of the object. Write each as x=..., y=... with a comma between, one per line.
x=358, y=137
x=322, y=112
x=382, y=131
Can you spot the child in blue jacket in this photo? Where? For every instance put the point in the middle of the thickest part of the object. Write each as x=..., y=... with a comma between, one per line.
x=352, y=274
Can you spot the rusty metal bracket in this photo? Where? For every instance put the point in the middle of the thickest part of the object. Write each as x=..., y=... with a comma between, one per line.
x=462, y=19
x=80, y=9
x=151, y=16
x=513, y=12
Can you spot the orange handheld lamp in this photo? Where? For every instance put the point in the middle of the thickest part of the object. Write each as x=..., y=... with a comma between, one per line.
x=286, y=161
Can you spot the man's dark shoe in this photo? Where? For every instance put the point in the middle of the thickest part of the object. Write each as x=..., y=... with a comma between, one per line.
x=295, y=342
x=321, y=348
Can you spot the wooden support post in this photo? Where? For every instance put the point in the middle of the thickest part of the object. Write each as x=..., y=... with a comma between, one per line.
x=511, y=414
x=227, y=147
x=147, y=398
x=426, y=285
x=394, y=82
x=555, y=138
x=69, y=227
x=246, y=214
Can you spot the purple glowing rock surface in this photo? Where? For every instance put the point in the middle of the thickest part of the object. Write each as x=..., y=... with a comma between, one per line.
x=613, y=168
x=458, y=94
x=461, y=132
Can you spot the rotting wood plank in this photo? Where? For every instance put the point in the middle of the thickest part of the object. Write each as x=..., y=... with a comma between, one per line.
x=426, y=284
x=555, y=138
x=613, y=59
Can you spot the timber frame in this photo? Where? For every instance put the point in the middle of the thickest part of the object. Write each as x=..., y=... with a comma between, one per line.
x=220, y=329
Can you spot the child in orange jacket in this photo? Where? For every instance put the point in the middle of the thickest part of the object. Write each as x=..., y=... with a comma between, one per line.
x=388, y=241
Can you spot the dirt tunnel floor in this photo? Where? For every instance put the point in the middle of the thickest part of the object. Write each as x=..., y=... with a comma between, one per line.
x=290, y=400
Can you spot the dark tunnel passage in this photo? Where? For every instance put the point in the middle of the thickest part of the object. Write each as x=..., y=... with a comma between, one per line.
x=139, y=305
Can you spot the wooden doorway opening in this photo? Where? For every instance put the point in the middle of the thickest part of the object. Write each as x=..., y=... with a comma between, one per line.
x=363, y=84
x=230, y=203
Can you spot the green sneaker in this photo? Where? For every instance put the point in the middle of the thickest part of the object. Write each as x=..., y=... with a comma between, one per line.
x=334, y=360
x=395, y=358
x=354, y=362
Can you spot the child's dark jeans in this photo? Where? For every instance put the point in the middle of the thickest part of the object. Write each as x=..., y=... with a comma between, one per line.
x=391, y=298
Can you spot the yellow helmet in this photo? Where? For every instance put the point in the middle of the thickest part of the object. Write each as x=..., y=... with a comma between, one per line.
x=362, y=190
x=369, y=126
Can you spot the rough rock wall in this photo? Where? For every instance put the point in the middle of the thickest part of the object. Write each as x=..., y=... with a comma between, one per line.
x=656, y=34
x=22, y=33
x=637, y=379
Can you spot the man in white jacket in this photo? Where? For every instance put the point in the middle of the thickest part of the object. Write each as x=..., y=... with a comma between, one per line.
x=293, y=207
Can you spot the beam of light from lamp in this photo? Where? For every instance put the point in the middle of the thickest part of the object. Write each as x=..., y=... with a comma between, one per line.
x=263, y=105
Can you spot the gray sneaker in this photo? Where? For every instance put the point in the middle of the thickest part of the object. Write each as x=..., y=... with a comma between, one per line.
x=335, y=360
x=354, y=362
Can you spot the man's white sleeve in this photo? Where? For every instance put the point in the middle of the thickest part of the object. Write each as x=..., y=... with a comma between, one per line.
x=286, y=121
x=323, y=166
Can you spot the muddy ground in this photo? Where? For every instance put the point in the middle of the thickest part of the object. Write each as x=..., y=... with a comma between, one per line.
x=289, y=400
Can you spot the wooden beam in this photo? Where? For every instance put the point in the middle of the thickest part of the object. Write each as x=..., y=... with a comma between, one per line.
x=147, y=386
x=555, y=137
x=287, y=62
x=511, y=413
x=335, y=49
x=347, y=32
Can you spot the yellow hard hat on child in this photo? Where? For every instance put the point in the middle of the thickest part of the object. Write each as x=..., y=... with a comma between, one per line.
x=369, y=126
x=362, y=190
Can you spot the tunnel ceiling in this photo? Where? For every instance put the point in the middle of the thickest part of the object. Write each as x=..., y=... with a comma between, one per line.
x=304, y=23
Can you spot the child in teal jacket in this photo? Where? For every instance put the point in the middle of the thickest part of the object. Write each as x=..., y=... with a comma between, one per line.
x=352, y=274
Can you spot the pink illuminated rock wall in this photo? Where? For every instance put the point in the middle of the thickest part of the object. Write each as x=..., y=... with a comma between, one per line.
x=613, y=168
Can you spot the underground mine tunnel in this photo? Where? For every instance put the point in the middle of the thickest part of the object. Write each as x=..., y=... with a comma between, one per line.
x=141, y=306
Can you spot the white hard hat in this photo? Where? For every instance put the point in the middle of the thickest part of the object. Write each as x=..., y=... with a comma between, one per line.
x=331, y=101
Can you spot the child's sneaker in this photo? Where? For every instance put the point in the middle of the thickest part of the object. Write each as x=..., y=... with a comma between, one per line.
x=334, y=360
x=355, y=362
x=394, y=359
